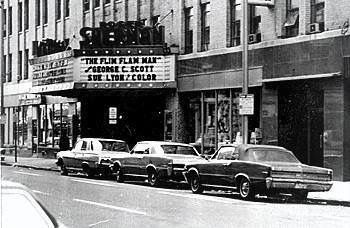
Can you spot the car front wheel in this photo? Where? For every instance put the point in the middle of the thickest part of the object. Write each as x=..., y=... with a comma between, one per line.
x=300, y=195
x=153, y=179
x=246, y=190
x=195, y=184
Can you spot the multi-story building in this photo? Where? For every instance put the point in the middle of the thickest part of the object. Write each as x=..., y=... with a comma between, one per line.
x=187, y=89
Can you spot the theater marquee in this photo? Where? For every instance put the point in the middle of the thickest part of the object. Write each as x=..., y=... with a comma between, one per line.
x=126, y=68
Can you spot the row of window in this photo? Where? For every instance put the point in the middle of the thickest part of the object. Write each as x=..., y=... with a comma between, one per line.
x=97, y=3
x=291, y=25
x=22, y=66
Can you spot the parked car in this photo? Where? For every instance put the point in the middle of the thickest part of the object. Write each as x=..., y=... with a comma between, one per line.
x=21, y=208
x=257, y=169
x=156, y=161
x=91, y=155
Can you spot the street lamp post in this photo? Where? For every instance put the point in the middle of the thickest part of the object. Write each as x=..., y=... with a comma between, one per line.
x=2, y=73
x=245, y=65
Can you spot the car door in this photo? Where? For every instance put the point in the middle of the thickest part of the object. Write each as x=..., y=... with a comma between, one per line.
x=69, y=158
x=218, y=170
x=136, y=163
x=79, y=154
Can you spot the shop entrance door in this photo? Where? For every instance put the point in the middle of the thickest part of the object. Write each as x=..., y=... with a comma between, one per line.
x=300, y=121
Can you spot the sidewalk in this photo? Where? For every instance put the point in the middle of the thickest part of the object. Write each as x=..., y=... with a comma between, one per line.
x=339, y=193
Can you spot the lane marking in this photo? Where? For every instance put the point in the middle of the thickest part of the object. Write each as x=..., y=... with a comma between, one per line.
x=110, y=206
x=40, y=192
x=30, y=174
x=197, y=197
x=100, y=222
x=93, y=182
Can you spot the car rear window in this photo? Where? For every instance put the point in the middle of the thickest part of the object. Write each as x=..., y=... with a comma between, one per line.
x=271, y=155
x=176, y=149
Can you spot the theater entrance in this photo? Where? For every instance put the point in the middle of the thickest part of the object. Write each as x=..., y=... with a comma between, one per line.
x=130, y=116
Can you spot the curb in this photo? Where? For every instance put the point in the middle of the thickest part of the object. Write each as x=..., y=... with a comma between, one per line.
x=30, y=167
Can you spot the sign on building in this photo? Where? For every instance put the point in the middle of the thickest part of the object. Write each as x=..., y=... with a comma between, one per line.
x=246, y=104
x=126, y=68
x=112, y=115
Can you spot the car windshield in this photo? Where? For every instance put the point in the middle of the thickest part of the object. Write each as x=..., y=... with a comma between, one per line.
x=176, y=149
x=271, y=155
x=114, y=146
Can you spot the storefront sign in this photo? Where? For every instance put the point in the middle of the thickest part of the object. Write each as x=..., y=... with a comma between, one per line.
x=112, y=115
x=53, y=69
x=30, y=99
x=126, y=68
x=246, y=104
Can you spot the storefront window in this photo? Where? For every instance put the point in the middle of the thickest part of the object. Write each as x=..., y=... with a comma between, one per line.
x=236, y=118
x=209, y=122
x=223, y=117
x=25, y=111
x=20, y=125
x=56, y=124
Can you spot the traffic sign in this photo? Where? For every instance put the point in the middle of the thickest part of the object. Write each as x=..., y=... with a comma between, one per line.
x=246, y=104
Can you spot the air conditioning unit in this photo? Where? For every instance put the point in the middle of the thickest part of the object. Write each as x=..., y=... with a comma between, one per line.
x=314, y=27
x=254, y=38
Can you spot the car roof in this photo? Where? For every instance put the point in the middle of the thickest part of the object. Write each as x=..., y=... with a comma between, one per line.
x=103, y=139
x=250, y=146
x=165, y=143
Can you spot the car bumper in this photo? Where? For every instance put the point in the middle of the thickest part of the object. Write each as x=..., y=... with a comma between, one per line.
x=298, y=184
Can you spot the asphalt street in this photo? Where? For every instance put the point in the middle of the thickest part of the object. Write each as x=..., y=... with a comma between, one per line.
x=78, y=201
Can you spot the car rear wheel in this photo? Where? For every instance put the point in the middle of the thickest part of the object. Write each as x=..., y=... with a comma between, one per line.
x=246, y=190
x=153, y=179
x=195, y=184
x=300, y=195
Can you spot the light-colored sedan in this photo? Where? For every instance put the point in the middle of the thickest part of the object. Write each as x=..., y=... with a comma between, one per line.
x=156, y=161
x=91, y=155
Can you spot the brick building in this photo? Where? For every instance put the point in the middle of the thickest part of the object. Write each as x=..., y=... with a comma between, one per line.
x=298, y=73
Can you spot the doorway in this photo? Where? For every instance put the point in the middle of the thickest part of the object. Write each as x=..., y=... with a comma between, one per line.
x=300, y=120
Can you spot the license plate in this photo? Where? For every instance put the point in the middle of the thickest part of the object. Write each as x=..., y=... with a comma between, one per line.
x=301, y=186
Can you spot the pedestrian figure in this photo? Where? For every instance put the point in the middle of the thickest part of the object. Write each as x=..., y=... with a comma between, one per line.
x=64, y=141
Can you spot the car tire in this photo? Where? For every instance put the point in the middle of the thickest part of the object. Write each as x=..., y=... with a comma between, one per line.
x=300, y=195
x=246, y=190
x=153, y=179
x=63, y=170
x=195, y=184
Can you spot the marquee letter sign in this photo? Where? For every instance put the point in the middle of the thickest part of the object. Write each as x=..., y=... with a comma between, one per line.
x=111, y=35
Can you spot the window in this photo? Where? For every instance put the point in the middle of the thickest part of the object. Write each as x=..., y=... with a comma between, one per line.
x=188, y=30
x=26, y=64
x=317, y=13
x=97, y=3
x=84, y=146
x=66, y=8
x=9, y=78
x=20, y=16
x=235, y=23
x=26, y=14
x=19, y=65
x=107, y=1
x=205, y=28
x=86, y=5
x=10, y=20
x=4, y=74
x=4, y=23
x=292, y=23
x=37, y=12
x=254, y=25
x=58, y=9
x=45, y=12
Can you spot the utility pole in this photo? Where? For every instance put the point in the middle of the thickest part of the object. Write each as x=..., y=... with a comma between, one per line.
x=2, y=74
x=245, y=66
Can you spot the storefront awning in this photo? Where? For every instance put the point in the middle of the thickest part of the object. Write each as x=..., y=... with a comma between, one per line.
x=302, y=77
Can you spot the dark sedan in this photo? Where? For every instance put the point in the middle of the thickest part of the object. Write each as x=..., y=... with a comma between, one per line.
x=257, y=169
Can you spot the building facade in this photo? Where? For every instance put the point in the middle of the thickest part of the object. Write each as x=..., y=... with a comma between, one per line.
x=186, y=88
